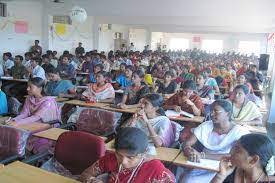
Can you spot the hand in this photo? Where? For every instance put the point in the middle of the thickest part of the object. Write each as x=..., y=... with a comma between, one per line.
x=12, y=123
x=122, y=106
x=177, y=108
x=192, y=154
x=189, y=102
x=226, y=167
x=142, y=115
x=29, y=69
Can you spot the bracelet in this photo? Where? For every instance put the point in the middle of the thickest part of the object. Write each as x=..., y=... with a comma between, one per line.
x=153, y=136
x=202, y=155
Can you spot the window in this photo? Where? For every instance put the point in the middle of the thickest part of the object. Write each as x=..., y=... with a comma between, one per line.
x=3, y=10
x=249, y=47
x=62, y=19
x=212, y=46
x=179, y=44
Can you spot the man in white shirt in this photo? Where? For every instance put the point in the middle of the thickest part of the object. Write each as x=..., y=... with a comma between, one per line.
x=7, y=62
x=36, y=70
x=132, y=47
x=27, y=61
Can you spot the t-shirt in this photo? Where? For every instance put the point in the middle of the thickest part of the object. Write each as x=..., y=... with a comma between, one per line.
x=3, y=103
x=55, y=88
x=39, y=72
x=8, y=64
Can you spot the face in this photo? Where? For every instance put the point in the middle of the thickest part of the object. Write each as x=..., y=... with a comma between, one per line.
x=17, y=60
x=186, y=93
x=5, y=57
x=36, y=42
x=241, y=79
x=88, y=59
x=240, y=158
x=200, y=80
x=136, y=78
x=147, y=106
x=33, y=63
x=33, y=90
x=127, y=160
x=167, y=78
x=27, y=57
x=53, y=77
x=46, y=61
x=97, y=69
x=239, y=95
x=65, y=60
x=122, y=67
x=128, y=73
x=100, y=78
x=218, y=114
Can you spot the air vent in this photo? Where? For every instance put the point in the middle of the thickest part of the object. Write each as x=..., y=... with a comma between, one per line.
x=3, y=10
x=62, y=19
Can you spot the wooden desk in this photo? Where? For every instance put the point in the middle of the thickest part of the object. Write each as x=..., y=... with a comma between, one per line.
x=34, y=127
x=85, y=104
x=19, y=172
x=52, y=133
x=15, y=80
x=256, y=129
x=109, y=108
x=181, y=160
x=196, y=119
x=61, y=99
x=3, y=119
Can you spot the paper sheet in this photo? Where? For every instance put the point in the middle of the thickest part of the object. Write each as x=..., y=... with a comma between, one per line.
x=211, y=164
x=172, y=113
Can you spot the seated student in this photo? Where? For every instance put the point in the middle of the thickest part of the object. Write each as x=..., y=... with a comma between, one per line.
x=204, y=90
x=124, y=80
x=53, y=61
x=101, y=91
x=251, y=160
x=135, y=92
x=168, y=86
x=186, y=73
x=27, y=61
x=3, y=103
x=37, y=108
x=65, y=68
x=18, y=71
x=186, y=100
x=97, y=68
x=129, y=162
x=216, y=136
x=36, y=70
x=211, y=81
x=7, y=62
x=244, y=111
x=158, y=71
x=46, y=63
x=152, y=120
x=57, y=86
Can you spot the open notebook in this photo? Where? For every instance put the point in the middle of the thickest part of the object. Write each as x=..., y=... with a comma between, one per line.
x=206, y=163
x=174, y=114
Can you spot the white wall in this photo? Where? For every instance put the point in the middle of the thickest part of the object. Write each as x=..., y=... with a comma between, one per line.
x=138, y=37
x=19, y=43
x=230, y=40
x=106, y=37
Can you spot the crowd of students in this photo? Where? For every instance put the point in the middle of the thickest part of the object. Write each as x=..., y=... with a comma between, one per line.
x=220, y=87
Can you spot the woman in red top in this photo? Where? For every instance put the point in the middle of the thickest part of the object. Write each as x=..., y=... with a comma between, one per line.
x=129, y=163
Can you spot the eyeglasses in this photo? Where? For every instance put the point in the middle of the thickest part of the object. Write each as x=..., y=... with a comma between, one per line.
x=216, y=111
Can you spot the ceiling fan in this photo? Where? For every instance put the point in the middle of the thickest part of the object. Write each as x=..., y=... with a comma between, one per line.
x=57, y=1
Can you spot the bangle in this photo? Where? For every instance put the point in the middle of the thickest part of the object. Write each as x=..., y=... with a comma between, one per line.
x=202, y=155
x=153, y=136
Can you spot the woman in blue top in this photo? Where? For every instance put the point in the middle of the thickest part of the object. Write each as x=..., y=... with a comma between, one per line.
x=3, y=103
x=125, y=80
x=58, y=87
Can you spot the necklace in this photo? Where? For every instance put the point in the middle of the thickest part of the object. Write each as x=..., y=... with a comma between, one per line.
x=258, y=179
x=239, y=110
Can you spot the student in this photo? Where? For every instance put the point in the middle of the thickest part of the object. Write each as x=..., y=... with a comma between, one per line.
x=186, y=73
x=152, y=120
x=135, y=92
x=211, y=81
x=7, y=62
x=79, y=50
x=216, y=136
x=3, y=103
x=18, y=71
x=251, y=160
x=105, y=63
x=204, y=90
x=168, y=86
x=36, y=70
x=101, y=91
x=36, y=48
x=46, y=63
x=124, y=80
x=37, y=108
x=244, y=111
x=97, y=68
x=27, y=61
x=129, y=162
x=186, y=100
x=65, y=68
x=53, y=61
x=58, y=87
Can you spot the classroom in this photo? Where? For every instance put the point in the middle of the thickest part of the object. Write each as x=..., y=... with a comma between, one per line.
x=96, y=91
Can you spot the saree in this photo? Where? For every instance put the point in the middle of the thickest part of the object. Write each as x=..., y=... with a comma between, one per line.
x=157, y=174
x=248, y=112
x=100, y=93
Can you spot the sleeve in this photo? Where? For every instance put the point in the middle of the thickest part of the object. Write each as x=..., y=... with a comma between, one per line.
x=68, y=85
x=25, y=111
x=165, y=132
x=172, y=101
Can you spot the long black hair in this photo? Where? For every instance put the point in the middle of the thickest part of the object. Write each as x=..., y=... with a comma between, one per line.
x=157, y=101
x=257, y=144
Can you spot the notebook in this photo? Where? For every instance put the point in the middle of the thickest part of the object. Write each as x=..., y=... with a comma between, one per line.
x=174, y=114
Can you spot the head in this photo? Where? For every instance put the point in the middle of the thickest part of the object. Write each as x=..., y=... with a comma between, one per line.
x=168, y=76
x=122, y=67
x=53, y=75
x=98, y=68
x=79, y=44
x=35, y=86
x=7, y=56
x=101, y=77
x=36, y=42
x=34, y=62
x=46, y=59
x=239, y=93
x=130, y=145
x=137, y=76
x=207, y=72
x=188, y=88
x=65, y=59
x=129, y=71
x=151, y=103
x=88, y=57
x=253, y=68
x=201, y=78
x=18, y=59
x=27, y=56
x=221, y=111
x=252, y=150
x=241, y=80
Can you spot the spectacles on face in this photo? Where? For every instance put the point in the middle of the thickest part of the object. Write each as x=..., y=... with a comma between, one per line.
x=216, y=111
